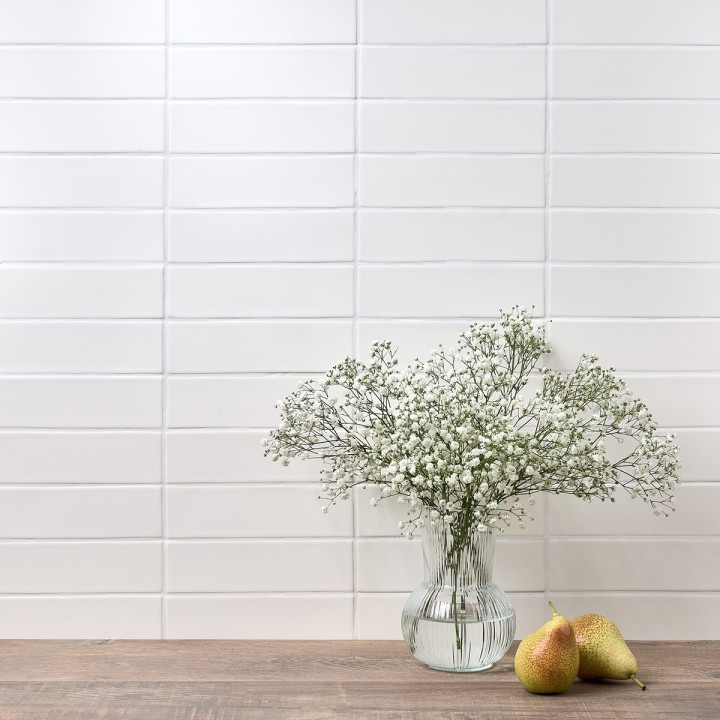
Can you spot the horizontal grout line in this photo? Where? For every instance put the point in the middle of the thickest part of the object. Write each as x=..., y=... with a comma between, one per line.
x=630, y=99
x=612, y=155
x=170, y=44
x=76, y=430
x=351, y=44
x=118, y=209
x=325, y=154
x=238, y=429
x=82, y=541
x=635, y=210
x=281, y=374
x=344, y=539
x=632, y=155
x=660, y=537
x=538, y=99
x=349, y=100
x=612, y=264
x=152, y=375
x=80, y=595
x=344, y=319
x=80, y=321
x=252, y=484
x=634, y=101
x=283, y=264
x=334, y=593
x=633, y=320
x=76, y=486
x=159, y=594
x=158, y=154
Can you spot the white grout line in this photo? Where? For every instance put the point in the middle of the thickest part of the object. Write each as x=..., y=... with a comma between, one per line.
x=546, y=275
x=356, y=289
x=163, y=433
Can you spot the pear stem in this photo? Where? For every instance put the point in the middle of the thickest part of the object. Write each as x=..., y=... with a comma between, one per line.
x=635, y=680
x=552, y=607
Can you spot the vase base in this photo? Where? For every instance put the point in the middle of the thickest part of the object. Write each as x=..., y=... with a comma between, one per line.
x=460, y=670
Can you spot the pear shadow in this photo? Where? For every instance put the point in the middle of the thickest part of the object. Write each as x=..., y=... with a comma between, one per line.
x=590, y=686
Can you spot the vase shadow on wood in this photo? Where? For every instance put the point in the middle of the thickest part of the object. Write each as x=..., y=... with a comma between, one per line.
x=458, y=620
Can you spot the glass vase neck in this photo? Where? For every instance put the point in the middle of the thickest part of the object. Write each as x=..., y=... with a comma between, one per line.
x=458, y=560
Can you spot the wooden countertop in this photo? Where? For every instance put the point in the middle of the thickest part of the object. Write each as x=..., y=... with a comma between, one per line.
x=320, y=680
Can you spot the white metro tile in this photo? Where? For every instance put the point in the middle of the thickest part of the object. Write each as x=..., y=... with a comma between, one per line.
x=635, y=127
x=198, y=402
x=82, y=567
x=698, y=453
x=451, y=181
x=478, y=235
x=262, y=72
x=37, y=347
x=260, y=617
x=681, y=616
x=448, y=291
x=62, y=457
x=82, y=21
x=77, y=182
x=691, y=22
x=396, y=565
x=247, y=511
x=81, y=126
x=680, y=400
x=447, y=72
x=90, y=618
x=230, y=456
x=379, y=614
x=411, y=339
x=452, y=127
x=636, y=73
x=222, y=292
x=636, y=345
x=81, y=236
x=453, y=21
x=212, y=182
x=257, y=346
x=80, y=402
x=106, y=512
x=259, y=566
x=652, y=564
x=80, y=292
x=264, y=617
x=90, y=72
x=247, y=21
x=262, y=127
x=651, y=291
x=696, y=514
x=392, y=565
x=260, y=236
x=632, y=236
x=682, y=182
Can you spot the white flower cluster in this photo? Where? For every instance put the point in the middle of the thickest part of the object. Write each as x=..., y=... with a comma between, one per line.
x=455, y=440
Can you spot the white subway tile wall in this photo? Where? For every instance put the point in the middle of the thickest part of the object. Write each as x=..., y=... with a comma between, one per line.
x=203, y=202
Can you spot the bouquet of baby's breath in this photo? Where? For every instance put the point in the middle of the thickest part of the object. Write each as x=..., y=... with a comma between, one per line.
x=455, y=439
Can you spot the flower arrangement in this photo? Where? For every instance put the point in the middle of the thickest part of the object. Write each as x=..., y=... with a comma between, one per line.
x=455, y=439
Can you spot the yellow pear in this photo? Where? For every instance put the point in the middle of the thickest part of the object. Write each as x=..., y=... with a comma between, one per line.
x=547, y=660
x=603, y=650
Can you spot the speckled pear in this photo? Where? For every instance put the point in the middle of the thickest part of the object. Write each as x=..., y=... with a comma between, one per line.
x=547, y=660
x=603, y=650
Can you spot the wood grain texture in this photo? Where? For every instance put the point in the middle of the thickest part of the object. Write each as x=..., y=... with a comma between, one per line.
x=348, y=680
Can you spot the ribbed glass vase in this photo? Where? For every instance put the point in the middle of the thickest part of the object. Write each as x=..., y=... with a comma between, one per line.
x=458, y=619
